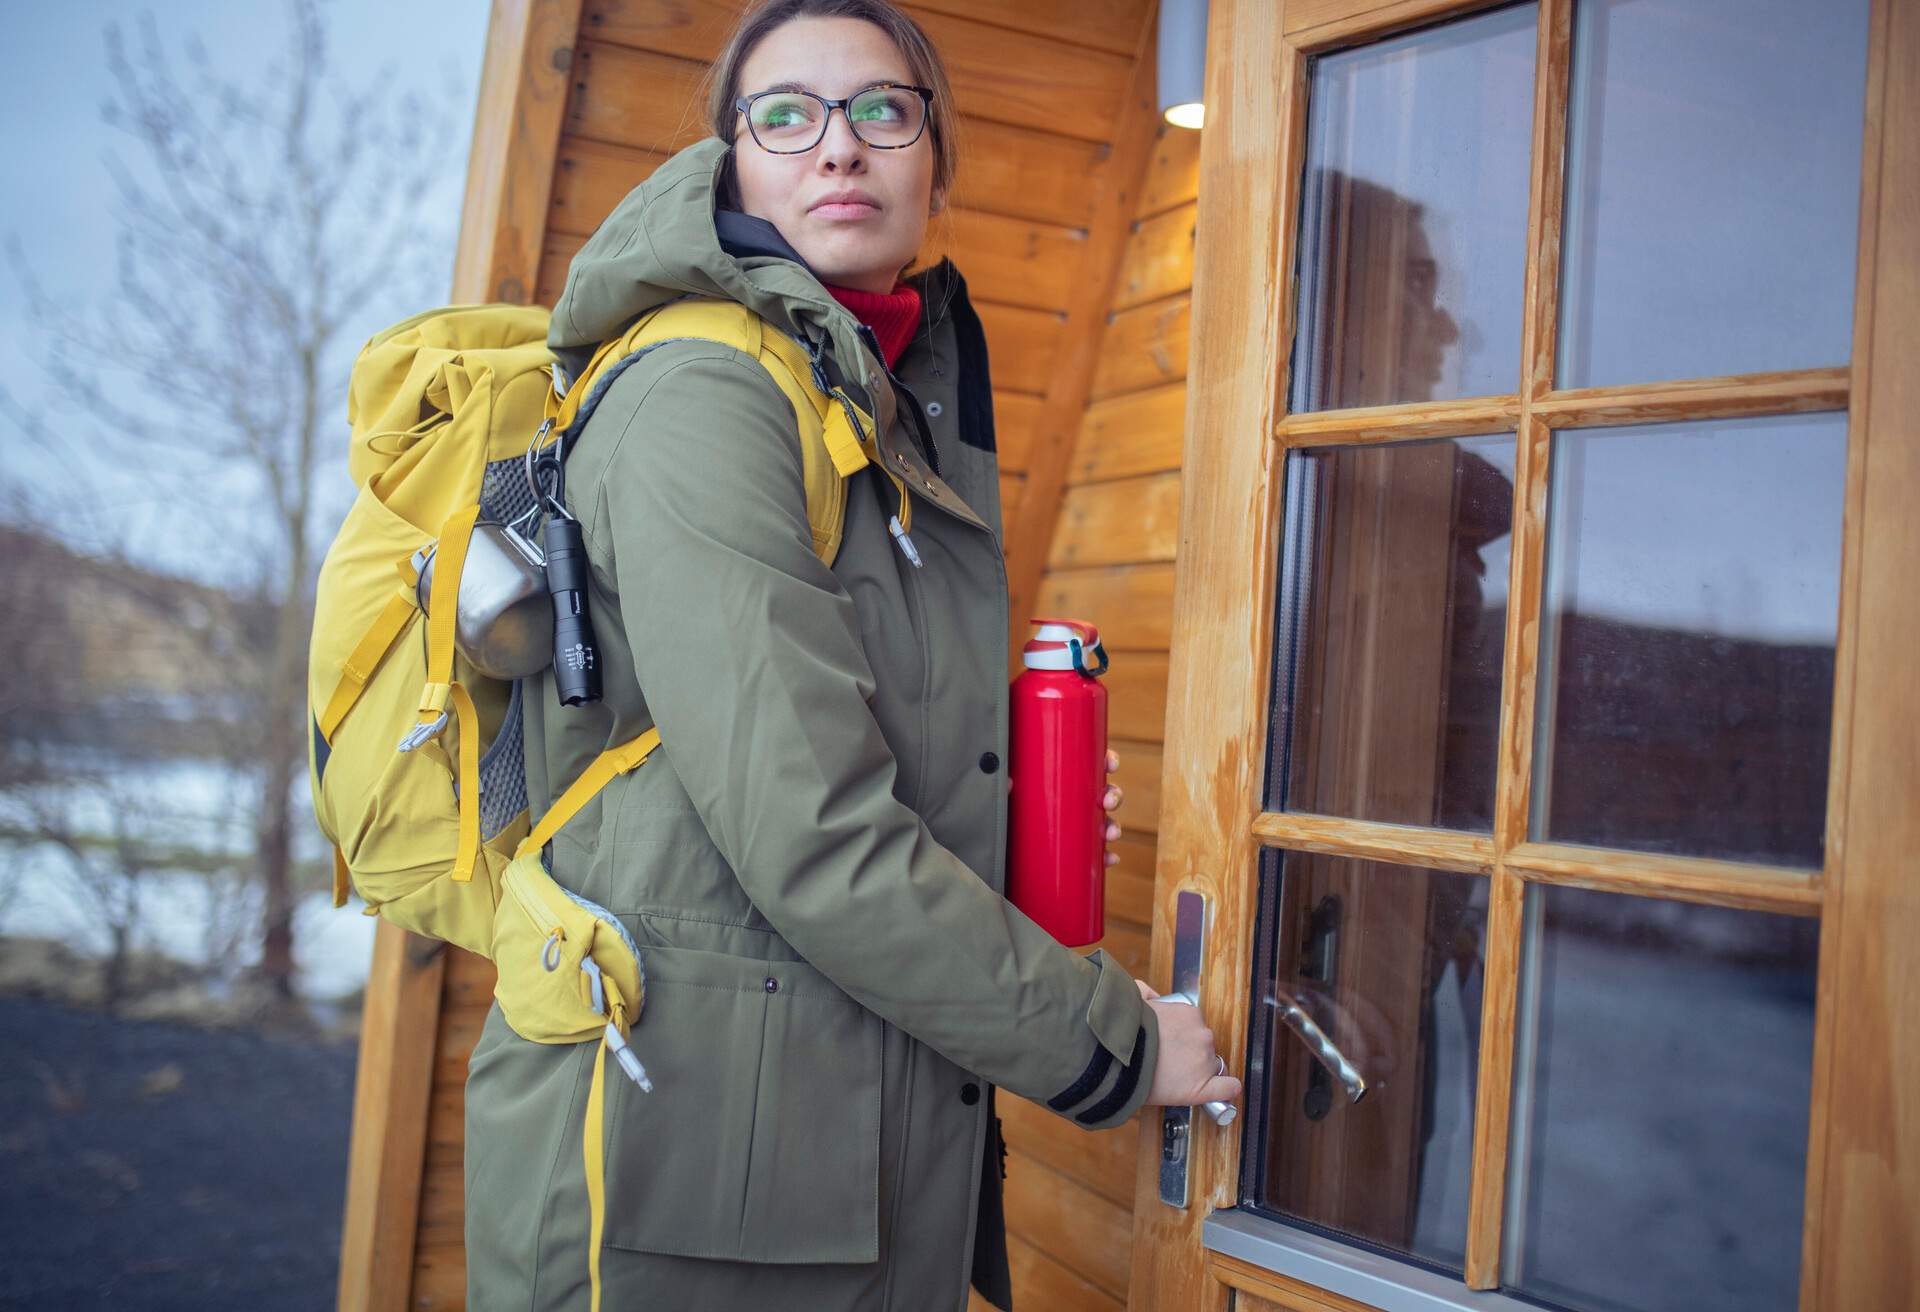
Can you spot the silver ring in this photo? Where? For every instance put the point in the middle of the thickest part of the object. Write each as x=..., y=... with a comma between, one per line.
x=1223, y=1064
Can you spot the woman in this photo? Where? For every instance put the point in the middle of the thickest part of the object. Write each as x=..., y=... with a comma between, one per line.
x=812, y=863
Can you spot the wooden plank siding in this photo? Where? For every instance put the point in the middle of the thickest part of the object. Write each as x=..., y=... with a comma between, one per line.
x=1019, y=78
x=1018, y=224
x=1042, y=224
x=1145, y=346
x=1109, y=559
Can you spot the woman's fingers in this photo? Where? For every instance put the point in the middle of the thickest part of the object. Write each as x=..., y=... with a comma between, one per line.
x=1190, y=1070
x=1146, y=990
x=1113, y=760
x=1114, y=796
x=1222, y=1088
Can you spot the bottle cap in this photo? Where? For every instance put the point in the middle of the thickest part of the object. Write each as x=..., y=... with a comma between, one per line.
x=1052, y=647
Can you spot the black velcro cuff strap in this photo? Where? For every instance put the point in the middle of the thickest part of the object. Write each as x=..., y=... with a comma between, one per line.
x=1089, y=1080
x=1122, y=1088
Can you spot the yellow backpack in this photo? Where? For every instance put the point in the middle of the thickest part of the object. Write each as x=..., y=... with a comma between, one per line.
x=435, y=834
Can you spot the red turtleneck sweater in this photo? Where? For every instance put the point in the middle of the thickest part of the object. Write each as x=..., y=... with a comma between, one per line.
x=892, y=315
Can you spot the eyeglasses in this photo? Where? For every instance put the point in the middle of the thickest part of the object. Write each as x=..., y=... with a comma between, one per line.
x=887, y=116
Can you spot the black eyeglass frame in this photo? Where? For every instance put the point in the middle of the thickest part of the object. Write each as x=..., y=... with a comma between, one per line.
x=744, y=105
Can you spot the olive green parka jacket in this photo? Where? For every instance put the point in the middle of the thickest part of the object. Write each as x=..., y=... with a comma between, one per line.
x=813, y=862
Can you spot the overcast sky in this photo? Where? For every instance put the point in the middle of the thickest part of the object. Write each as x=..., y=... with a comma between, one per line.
x=59, y=198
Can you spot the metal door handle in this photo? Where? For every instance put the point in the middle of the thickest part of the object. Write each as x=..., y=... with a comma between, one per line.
x=1176, y=1123
x=1295, y=1017
x=1331, y=1057
x=1222, y=1112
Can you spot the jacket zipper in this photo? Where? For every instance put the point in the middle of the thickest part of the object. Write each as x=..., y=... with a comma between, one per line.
x=532, y=906
x=919, y=419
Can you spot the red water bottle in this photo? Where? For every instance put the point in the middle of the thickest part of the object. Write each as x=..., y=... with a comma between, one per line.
x=1056, y=854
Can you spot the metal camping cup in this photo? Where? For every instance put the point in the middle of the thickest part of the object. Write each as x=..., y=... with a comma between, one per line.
x=504, y=620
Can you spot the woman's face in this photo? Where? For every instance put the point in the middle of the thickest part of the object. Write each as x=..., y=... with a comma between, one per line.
x=856, y=214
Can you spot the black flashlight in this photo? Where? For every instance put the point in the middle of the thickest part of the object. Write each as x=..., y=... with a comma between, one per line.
x=576, y=658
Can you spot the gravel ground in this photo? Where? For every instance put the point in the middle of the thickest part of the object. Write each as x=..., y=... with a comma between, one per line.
x=150, y=1164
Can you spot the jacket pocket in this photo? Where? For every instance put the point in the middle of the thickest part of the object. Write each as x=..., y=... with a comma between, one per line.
x=761, y=1139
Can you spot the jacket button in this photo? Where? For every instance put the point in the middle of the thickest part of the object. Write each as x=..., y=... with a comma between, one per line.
x=969, y=1094
x=934, y=408
x=989, y=762
x=773, y=985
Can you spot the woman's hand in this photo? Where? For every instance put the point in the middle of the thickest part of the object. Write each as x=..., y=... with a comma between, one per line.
x=1188, y=1070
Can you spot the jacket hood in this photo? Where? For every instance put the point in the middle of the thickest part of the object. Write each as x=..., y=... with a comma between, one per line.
x=668, y=239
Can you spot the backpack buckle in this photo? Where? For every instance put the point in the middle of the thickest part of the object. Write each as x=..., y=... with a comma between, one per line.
x=423, y=731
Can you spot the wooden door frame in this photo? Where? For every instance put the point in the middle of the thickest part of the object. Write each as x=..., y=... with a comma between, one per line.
x=1863, y=1164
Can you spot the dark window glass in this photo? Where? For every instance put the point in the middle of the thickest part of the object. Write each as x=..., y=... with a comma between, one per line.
x=1392, y=609
x=1661, y=1094
x=1713, y=187
x=1370, y=982
x=1414, y=216
x=1687, y=637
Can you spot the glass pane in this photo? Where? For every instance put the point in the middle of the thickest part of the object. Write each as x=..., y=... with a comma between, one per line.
x=1713, y=187
x=1660, y=1117
x=1413, y=217
x=1392, y=607
x=1686, y=663
x=1387, y=963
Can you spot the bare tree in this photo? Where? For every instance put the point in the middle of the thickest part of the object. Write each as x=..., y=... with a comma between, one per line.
x=263, y=214
x=103, y=833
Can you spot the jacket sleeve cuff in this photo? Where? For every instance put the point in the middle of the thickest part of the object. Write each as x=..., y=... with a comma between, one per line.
x=1125, y=1042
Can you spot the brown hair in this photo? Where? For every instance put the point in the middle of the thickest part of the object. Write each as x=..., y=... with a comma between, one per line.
x=923, y=61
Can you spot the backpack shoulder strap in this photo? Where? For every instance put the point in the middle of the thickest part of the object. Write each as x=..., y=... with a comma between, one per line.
x=836, y=441
x=835, y=435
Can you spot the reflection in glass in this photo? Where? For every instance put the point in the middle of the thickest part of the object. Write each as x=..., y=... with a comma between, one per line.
x=1687, y=637
x=1414, y=214
x=1713, y=188
x=1391, y=613
x=1660, y=1118
x=1387, y=962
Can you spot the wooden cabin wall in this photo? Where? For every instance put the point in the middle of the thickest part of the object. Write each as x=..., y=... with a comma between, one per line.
x=1070, y=238
x=1020, y=222
x=1109, y=559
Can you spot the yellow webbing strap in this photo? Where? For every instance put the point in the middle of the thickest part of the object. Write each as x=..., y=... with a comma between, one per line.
x=365, y=658
x=469, y=720
x=906, y=504
x=594, y=1146
x=843, y=441
x=847, y=438
x=614, y=761
x=449, y=559
x=569, y=406
x=595, y=1152
x=727, y=322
